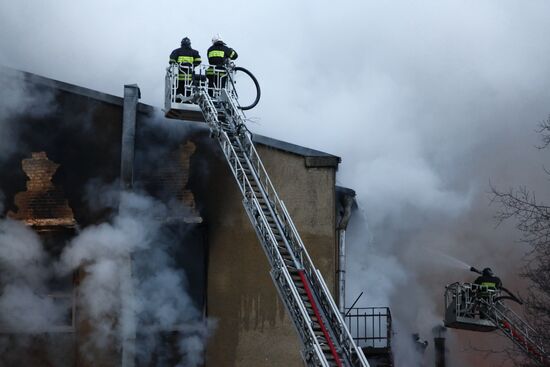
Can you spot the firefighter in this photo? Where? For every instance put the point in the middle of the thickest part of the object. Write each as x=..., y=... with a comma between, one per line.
x=218, y=54
x=188, y=59
x=489, y=280
x=489, y=284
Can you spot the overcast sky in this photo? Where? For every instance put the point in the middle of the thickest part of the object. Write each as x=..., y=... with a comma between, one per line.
x=426, y=102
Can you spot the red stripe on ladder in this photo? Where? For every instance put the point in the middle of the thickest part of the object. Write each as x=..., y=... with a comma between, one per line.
x=319, y=319
x=530, y=347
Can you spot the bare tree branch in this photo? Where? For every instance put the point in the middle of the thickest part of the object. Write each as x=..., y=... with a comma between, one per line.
x=544, y=131
x=532, y=219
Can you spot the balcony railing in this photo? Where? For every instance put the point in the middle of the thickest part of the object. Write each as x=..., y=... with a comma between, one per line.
x=370, y=327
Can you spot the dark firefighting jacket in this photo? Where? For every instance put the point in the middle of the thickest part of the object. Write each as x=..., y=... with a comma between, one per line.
x=491, y=282
x=185, y=56
x=217, y=54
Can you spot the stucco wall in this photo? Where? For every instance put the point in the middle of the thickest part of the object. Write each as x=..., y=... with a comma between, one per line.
x=252, y=326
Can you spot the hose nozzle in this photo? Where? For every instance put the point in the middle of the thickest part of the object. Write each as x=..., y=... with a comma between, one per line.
x=475, y=270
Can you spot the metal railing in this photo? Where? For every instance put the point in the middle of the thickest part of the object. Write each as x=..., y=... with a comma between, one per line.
x=465, y=298
x=182, y=90
x=370, y=326
x=475, y=302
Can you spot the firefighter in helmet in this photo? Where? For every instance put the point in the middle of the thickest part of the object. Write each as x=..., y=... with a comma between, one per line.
x=488, y=280
x=188, y=59
x=218, y=54
x=489, y=284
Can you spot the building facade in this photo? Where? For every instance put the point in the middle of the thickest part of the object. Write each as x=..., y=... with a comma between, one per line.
x=70, y=140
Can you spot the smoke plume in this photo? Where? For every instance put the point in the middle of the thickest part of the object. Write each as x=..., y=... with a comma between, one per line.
x=426, y=103
x=156, y=299
x=25, y=269
x=130, y=284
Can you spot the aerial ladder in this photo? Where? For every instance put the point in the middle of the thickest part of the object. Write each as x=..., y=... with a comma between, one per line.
x=478, y=308
x=326, y=340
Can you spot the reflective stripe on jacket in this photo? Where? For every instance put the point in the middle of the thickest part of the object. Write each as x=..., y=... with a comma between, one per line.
x=490, y=285
x=185, y=56
x=217, y=54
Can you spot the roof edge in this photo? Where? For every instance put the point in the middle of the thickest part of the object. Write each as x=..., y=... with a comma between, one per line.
x=66, y=87
x=314, y=158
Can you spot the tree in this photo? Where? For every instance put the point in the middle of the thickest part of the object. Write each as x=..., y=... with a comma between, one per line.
x=532, y=218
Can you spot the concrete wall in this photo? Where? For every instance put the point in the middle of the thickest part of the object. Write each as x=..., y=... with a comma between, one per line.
x=253, y=328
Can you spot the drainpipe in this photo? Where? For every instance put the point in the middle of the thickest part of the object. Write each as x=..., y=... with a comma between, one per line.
x=128, y=319
x=347, y=202
x=341, y=270
x=131, y=96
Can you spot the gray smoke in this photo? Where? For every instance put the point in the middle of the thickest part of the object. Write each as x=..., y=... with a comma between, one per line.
x=24, y=265
x=24, y=273
x=117, y=295
x=426, y=103
x=156, y=298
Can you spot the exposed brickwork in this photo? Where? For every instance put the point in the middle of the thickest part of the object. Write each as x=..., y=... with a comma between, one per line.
x=42, y=204
x=173, y=174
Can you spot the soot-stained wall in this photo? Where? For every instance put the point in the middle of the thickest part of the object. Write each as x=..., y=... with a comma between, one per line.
x=179, y=164
x=79, y=134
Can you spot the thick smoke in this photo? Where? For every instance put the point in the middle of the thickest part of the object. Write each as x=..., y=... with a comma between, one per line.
x=156, y=299
x=25, y=269
x=130, y=283
x=426, y=102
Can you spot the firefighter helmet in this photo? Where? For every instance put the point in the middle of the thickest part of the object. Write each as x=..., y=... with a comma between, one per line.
x=186, y=42
x=488, y=272
x=217, y=38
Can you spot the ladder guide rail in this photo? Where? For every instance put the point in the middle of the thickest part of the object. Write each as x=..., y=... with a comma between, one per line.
x=317, y=281
x=325, y=337
x=283, y=280
x=521, y=333
x=299, y=250
x=257, y=216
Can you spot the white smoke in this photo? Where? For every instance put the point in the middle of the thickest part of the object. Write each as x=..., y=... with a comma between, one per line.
x=156, y=298
x=117, y=296
x=426, y=102
x=25, y=269
x=22, y=255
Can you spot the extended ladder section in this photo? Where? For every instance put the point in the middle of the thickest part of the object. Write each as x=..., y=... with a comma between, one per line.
x=474, y=307
x=325, y=337
x=327, y=341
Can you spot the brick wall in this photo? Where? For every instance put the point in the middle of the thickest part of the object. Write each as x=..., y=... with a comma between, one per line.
x=170, y=176
x=43, y=204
